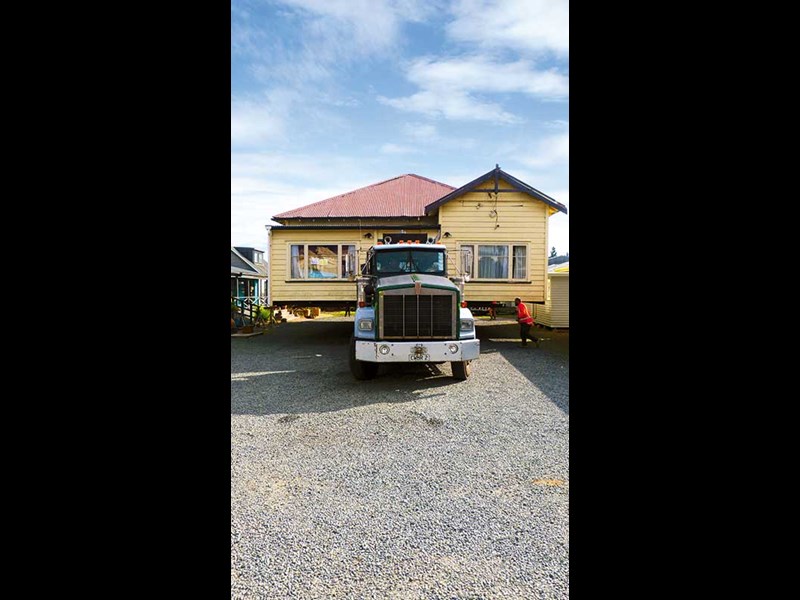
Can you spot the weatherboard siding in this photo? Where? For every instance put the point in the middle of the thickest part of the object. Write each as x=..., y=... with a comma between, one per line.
x=286, y=291
x=521, y=219
x=555, y=311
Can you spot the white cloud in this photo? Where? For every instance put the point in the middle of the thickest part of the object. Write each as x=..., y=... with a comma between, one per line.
x=421, y=132
x=427, y=136
x=558, y=124
x=449, y=87
x=396, y=149
x=252, y=210
x=521, y=25
x=273, y=167
x=283, y=116
x=266, y=184
x=481, y=73
x=548, y=152
x=452, y=105
x=245, y=39
x=260, y=119
x=339, y=32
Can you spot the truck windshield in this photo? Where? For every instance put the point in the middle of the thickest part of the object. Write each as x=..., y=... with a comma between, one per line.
x=392, y=262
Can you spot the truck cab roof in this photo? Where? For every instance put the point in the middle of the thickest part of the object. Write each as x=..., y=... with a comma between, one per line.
x=382, y=247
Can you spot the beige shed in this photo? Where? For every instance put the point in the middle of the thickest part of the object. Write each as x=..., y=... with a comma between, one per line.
x=555, y=310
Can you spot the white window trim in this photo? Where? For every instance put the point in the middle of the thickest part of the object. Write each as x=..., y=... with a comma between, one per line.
x=510, y=246
x=305, y=250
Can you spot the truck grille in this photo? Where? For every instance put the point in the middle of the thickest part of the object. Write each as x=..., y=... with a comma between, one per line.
x=423, y=316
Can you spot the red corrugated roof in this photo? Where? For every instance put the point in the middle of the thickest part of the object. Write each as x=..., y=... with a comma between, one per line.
x=403, y=196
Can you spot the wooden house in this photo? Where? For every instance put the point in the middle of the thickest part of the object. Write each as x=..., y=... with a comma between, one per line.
x=495, y=228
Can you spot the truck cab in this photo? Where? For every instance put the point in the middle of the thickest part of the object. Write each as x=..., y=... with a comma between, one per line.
x=410, y=310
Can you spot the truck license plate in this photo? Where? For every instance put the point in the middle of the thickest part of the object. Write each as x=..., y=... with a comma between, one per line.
x=419, y=353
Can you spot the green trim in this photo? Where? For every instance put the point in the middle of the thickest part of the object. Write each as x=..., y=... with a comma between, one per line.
x=458, y=316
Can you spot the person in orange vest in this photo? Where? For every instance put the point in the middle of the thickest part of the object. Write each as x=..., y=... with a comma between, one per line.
x=525, y=323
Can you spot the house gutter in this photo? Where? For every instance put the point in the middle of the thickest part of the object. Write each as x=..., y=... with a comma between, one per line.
x=269, y=262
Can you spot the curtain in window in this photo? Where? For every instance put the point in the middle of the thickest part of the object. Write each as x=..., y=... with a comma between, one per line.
x=348, y=260
x=493, y=262
x=298, y=262
x=520, y=262
x=466, y=260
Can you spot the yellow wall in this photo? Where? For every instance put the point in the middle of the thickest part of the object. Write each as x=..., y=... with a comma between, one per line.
x=284, y=291
x=555, y=311
x=520, y=217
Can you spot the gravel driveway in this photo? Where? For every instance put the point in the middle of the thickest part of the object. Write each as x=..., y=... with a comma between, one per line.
x=411, y=485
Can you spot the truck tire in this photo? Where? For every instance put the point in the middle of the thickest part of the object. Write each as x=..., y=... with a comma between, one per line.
x=460, y=369
x=359, y=368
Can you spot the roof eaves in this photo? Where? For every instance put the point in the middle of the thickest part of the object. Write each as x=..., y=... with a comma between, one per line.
x=521, y=186
x=237, y=253
x=534, y=192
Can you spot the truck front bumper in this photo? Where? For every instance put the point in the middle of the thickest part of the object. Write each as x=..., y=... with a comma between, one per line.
x=425, y=351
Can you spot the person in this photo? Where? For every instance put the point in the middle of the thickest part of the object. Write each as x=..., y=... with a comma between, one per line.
x=493, y=311
x=525, y=323
x=347, y=310
x=433, y=267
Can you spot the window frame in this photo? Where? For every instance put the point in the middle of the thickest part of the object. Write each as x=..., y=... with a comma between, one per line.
x=339, y=258
x=510, y=246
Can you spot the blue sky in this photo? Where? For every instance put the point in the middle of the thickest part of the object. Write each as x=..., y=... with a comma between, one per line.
x=331, y=95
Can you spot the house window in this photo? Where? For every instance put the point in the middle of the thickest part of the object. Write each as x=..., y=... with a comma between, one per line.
x=244, y=288
x=298, y=262
x=520, y=266
x=467, y=253
x=348, y=260
x=322, y=261
x=492, y=262
x=507, y=262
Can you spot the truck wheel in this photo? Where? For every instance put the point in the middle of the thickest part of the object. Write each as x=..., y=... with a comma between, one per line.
x=460, y=369
x=359, y=368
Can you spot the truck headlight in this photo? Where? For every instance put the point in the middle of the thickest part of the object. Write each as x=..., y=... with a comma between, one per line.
x=467, y=324
x=365, y=324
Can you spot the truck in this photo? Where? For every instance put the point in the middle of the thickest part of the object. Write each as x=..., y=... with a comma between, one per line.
x=410, y=310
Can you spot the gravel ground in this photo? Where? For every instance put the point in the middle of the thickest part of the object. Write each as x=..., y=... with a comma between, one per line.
x=411, y=485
